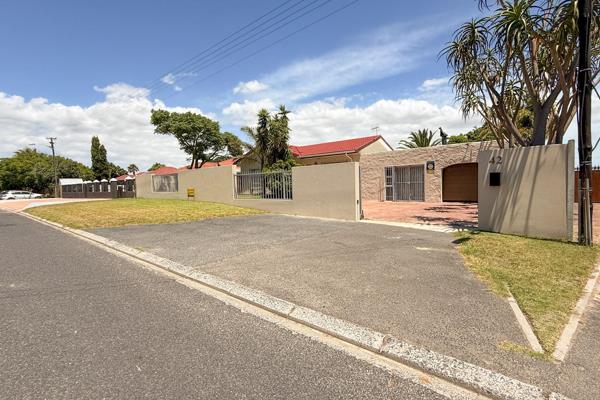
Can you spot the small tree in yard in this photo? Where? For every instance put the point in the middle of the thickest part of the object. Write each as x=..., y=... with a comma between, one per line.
x=521, y=58
x=133, y=169
x=198, y=136
x=156, y=166
x=271, y=136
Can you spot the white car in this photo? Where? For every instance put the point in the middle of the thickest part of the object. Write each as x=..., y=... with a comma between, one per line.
x=18, y=194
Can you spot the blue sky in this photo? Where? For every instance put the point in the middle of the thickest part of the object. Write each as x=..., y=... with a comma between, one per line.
x=77, y=68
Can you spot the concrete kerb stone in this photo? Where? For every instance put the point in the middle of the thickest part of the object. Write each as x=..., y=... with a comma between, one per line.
x=481, y=380
x=470, y=376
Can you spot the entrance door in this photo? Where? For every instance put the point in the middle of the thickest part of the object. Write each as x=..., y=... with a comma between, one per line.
x=405, y=183
x=459, y=182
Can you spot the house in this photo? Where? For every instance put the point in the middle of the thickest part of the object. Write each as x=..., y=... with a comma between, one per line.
x=429, y=174
x=327, y=153
x=67, y=181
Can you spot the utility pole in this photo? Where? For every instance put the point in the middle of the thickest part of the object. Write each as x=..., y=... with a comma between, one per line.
x=52, y=140
x=584, y=100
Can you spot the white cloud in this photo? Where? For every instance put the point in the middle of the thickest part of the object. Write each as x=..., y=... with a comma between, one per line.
x=249, y=87
x=171, y=79
x=121, y=120
x=321, y=121
x=436, y=83
x=383, y=53
x=241, y=114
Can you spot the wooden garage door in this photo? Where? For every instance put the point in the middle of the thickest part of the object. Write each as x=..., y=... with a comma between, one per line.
x=459, y=182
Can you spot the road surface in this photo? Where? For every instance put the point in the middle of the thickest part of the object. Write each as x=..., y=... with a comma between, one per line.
x=79, y=322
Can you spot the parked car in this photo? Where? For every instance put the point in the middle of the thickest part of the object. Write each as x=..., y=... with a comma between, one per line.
x=18, y=194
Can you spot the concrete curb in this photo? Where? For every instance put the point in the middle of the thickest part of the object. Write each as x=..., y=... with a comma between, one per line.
x=564, y=342
x=470, y=376
x=524, y=324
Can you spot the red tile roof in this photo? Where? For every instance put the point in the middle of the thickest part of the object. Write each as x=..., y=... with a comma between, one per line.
x=337, y=147
x=210, y=164
x=123, y=177
x=163, y=171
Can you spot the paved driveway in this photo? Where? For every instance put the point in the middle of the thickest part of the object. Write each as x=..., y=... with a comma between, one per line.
x=454, y=215
x=405, y=282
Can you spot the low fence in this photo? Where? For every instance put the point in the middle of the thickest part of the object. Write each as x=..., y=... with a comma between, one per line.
x=268, y=185
x=327, y=191
x=99, y=190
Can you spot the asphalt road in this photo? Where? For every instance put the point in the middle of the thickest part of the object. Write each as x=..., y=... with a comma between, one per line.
x=78, y=322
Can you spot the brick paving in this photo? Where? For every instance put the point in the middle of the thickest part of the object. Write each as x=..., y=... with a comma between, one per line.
x=456, y=215
x=20, y=205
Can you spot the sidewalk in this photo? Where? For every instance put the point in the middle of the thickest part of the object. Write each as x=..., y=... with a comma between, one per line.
x=407, y=283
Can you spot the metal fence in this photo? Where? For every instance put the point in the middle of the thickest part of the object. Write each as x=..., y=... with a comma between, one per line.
x=275, y=185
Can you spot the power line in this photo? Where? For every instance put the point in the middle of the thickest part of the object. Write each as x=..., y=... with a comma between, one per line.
x=207, y=63
x=303, y=28
x=239, y=31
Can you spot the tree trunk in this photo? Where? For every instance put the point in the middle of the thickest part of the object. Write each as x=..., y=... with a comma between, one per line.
x=540, y=121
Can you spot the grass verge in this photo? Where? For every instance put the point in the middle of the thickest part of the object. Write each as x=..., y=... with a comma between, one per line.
x=119, y=212
x=546, y=277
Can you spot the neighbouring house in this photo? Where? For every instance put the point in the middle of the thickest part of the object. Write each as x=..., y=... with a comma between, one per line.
x=326, y=153
x=67, y=181
x=430, y=174
x=211, y=164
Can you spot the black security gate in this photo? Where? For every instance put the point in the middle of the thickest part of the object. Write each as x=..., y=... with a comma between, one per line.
x=405, y=183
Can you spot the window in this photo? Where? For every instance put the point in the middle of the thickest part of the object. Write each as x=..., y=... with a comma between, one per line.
x=165, y=183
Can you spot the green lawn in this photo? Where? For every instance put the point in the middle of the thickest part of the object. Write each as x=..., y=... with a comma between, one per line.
x=546, y=277
x=111, y=213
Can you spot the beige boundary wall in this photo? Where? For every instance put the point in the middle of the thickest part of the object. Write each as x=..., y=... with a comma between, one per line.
x=372, y=166
x=535, y=196
x=326, y=191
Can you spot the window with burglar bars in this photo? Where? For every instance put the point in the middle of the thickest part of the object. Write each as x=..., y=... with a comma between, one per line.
x=405, y=183
x=275, y=185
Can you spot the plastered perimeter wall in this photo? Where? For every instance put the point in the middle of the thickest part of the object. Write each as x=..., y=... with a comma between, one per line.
x=372, y=166
x=535, y=196
x=327, y=191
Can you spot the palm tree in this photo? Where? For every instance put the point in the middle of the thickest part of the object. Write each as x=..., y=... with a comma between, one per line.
x=420, y=138
x=133, y=169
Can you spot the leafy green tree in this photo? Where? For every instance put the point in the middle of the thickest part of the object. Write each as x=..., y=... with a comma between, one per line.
x=133, y=169
x=454, y=139
x=100, y=164
x=198, y=136
x=270, y=136
x=28, y=169
x=115, y=170
x=521, y=56
x=233, y=145
x=156, y=166
x=420, y=138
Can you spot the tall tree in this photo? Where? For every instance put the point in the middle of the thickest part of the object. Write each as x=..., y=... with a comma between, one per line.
x=198, y=136
x=270, y=136
x=522, y=56
x=100, y=165
x=420, y=138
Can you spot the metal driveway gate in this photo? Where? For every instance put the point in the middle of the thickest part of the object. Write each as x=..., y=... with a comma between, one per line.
x=405, y=183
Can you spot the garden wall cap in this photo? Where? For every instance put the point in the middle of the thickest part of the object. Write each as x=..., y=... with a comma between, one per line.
x=113, y=180
x=129, y=178
x=96, y=181
x=103, y=180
